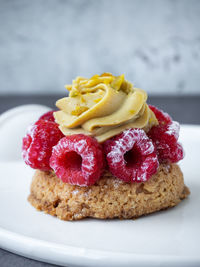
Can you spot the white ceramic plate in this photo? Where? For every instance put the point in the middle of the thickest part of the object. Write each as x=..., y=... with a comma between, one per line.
x=168, y=238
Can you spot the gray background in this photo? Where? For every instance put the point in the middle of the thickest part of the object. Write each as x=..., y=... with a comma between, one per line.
x=45, y=44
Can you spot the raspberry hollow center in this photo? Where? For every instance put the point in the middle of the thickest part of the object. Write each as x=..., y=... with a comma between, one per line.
x=131, y=158
x=73, y=160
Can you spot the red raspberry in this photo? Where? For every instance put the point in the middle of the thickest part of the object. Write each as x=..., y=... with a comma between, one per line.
x=131, y=156
x=165, y=139
x=170, y=152
x=77, y=159
x=48, y=116
x=38, y=142
x=162, y=117
x=165, y=133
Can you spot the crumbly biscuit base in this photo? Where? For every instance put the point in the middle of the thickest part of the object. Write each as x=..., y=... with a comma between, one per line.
x=110, y=197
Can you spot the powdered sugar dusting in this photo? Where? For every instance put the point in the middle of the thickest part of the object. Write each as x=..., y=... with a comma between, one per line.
x=81, y=145
x=142, y=167
x=73, y=171
x=173, y=129
x=38, y=143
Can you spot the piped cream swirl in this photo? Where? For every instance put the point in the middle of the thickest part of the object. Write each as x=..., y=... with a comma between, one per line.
x=102, y=107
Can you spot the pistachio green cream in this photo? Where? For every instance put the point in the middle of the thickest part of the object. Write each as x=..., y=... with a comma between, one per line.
x=102, y=107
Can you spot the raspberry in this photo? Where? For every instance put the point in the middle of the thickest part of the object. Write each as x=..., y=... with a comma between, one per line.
x=165, y=139
x=131, y=156
x=48, y=116
x=77, y=159
x=170, y=152
x=165, y=133
x=162, y=117
x=38, y=142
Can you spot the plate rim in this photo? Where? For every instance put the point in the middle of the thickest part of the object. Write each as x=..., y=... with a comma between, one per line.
x=65, y=255
x=18, y=109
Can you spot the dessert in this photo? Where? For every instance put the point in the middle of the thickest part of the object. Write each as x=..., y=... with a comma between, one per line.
x=105, y=153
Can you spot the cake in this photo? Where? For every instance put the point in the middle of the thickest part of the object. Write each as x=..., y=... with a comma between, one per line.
x=104, y=154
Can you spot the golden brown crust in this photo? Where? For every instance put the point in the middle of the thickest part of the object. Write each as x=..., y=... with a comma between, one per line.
x=109, y=197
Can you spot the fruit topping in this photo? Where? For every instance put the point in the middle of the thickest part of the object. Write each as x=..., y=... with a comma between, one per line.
x=171, y=153
x=131, y=156
x=78, y=159
x=165, y=133
x=48, y=116
x=38, y=142
x=162, y=117
x=165, y=139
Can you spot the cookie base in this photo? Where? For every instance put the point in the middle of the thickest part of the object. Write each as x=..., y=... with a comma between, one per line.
x=110, y=197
